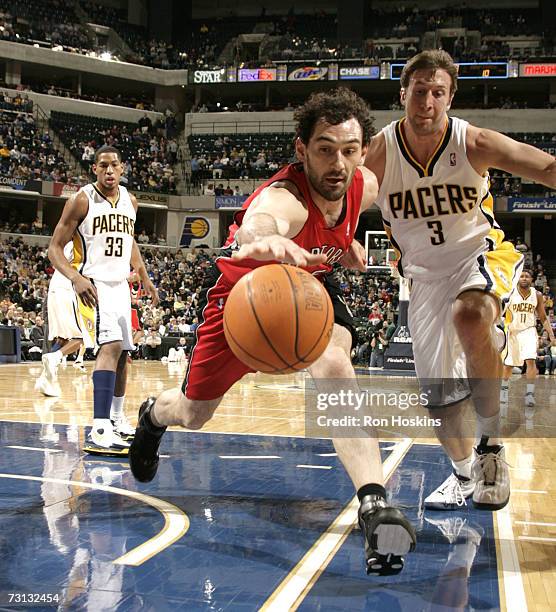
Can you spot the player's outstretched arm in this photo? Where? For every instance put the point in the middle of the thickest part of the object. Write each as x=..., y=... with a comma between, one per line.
x=268, y=226
x=490, y=149
x=75, y=210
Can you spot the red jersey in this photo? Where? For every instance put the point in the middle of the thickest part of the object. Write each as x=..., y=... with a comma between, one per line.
x=315, y=236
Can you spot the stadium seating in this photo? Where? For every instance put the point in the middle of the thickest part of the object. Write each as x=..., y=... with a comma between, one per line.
x=149, y=164
x=256, y=155
x=25, y=151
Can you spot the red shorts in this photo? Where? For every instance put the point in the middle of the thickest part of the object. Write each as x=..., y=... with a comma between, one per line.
x=213, y=368
x=135, y=325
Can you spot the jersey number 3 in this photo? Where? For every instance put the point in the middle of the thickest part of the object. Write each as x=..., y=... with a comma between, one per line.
x=437, y=237
x=114, y=247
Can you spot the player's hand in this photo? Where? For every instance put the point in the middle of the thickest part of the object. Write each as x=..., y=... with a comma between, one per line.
x=151, y=291
x=86, y=291
x=280, y=249
x=355, y=258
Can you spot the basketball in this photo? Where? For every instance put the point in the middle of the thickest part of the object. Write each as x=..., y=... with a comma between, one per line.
x=278, y=319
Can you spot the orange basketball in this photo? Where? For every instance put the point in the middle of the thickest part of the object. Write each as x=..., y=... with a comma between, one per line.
x=278, y=319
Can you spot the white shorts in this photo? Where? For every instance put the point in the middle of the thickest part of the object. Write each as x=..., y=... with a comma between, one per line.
x=113, y=314
x=521, y=345
x=440, y=362
x=64, y=317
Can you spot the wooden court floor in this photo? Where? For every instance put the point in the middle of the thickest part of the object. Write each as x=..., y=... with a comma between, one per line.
x=274, y=406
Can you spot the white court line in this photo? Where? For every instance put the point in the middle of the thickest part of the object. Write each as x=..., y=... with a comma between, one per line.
x=34, y=448
x=536, y=539
x=537, y=524
x=315, y=467
x=511, y=572
x=249, y=457
x=326, y=454
x=176, y=522
x=293, y=588
x=529, y=491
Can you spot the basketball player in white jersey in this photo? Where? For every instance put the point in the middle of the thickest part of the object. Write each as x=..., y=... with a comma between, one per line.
x=69, y=328
x=100, y=220
x=435, y=202
x=521, y=334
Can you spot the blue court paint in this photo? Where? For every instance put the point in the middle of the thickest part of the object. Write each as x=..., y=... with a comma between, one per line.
x=251, y=522
x=436, y=575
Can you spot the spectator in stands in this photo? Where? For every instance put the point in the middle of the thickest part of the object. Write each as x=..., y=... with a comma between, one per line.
x=142, y=238
x=152, y=342
x=546, y=361
x=540, y=281
x=145, y=123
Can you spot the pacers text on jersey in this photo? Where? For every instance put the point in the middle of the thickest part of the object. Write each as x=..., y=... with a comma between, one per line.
x=432, y=201
x=113, y=222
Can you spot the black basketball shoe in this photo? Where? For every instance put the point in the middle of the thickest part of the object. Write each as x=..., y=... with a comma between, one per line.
x=143, y=452
x=388, y=536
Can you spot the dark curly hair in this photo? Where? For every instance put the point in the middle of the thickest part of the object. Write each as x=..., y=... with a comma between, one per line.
x=334, y=107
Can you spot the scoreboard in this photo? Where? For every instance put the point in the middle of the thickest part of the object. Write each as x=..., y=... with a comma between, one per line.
x=467, y=70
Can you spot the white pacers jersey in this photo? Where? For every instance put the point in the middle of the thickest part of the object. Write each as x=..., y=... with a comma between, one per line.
x=521, y=310
x=58, y=280
x=440, y=216
x=103, y=240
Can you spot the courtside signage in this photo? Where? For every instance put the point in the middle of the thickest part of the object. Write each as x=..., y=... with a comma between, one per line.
x=359, y=72
x=541, y=205
x=537, y=70
x=209, y=76
x=308, y=73
x=256, y=74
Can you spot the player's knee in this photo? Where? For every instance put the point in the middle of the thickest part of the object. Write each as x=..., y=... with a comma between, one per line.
x=334, y=363
x=472, y=315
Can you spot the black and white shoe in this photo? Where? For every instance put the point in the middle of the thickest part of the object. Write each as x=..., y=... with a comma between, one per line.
x=451, y=494
x=123, y=427
x=143, y=453
x=106, y=443
x=388, y=536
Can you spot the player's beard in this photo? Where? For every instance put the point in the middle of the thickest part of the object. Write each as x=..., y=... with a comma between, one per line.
x=425, y=129
x=328, y=192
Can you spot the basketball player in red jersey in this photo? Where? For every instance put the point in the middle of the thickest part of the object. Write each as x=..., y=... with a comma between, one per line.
x=305, y=215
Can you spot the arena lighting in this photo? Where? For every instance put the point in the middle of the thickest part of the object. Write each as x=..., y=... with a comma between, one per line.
x=106, y=56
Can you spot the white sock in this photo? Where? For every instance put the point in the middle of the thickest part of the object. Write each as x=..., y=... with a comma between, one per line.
x=80, y=355
x=488, y=426
x=463, y=467
x=531, y=388
x=58, y=354
x=117, y=407
x=504, y=391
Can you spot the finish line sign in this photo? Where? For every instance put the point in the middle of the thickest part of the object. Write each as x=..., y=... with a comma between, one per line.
x=541, y=205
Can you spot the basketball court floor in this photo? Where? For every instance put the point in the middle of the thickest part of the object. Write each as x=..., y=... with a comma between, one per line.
x=249, y=514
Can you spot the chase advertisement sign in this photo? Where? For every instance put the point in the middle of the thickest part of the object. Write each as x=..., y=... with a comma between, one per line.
x=308, y=73
x=359, y=72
